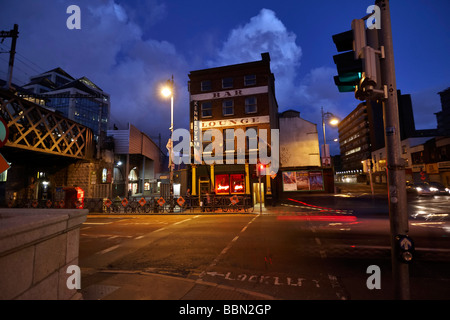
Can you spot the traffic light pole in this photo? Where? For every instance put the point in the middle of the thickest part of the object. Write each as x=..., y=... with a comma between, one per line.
x=398, y=211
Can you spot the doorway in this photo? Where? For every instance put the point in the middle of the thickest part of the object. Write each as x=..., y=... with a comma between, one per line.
x=258, y=197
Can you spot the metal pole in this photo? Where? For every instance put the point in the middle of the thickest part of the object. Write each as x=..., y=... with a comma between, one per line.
x=171, y=137
x=260, y=193
x=398, y=210
x=14, y=34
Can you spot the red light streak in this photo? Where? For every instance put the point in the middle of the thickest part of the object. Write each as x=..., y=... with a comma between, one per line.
x=328, y=218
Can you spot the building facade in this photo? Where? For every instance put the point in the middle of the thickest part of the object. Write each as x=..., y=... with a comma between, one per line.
x=77, y=99
x=137, y=164
x=236, y=99
x=362, y=132
x=300, y=164
x=443, y=116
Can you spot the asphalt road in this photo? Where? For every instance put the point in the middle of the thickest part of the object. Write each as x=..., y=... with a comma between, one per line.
x=294, y=252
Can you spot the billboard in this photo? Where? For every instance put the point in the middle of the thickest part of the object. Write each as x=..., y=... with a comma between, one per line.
x=303, y=180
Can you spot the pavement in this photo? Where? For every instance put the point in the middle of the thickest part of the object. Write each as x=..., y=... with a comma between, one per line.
x=137, y=285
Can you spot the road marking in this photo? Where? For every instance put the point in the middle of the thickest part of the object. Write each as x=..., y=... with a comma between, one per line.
x=182, y=221
x=225, y=250
x=266, y=279
x=108, y=249
x=99, y=223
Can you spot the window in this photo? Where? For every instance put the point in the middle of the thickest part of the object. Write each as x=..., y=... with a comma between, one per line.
x=206, y=85
x=222, y=184
x=227, y=107
x=250, y=105
x=250, y=80
x=237, y=183
x=227, y=83
x=226, y=184
x=206, y=109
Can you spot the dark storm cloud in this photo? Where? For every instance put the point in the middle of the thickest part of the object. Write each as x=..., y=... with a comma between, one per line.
x=109, y=50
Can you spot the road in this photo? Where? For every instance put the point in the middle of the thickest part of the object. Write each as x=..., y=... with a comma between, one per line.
x=294, y=252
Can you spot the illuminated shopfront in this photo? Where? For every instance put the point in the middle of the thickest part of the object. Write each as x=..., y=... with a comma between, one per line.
x=230, y=184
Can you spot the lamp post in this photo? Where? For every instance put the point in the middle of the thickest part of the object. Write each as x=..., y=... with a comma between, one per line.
x=167, y=91
x=326, y=161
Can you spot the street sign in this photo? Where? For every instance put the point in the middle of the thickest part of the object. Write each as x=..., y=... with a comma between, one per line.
x=4, y=132
x=234, y=199
x=108, y=203
x=124, y=202
x=3, y=164
x=180, y=201
x=406, y=248
x=142, y=202
x=405, y=243
x=161, y=201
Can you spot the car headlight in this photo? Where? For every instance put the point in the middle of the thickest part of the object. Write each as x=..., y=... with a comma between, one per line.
x=418, y=188
x=433, y=189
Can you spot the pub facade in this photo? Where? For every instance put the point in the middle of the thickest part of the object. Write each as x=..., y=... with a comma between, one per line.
x=233, y=123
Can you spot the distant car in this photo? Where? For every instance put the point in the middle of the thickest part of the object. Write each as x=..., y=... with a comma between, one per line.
x=439, y=189
x=419, y=188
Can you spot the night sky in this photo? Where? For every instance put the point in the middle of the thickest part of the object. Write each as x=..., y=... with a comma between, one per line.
x=129, y=47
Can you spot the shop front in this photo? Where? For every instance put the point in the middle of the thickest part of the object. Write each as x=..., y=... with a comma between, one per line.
x=229, y=180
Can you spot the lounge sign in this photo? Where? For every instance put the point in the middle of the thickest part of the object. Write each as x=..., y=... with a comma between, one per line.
x=234, y=122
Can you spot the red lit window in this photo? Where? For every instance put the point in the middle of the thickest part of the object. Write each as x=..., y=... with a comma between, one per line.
x=222, y=184
x=237, y=183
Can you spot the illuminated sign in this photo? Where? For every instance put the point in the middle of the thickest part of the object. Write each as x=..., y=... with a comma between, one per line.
x=230, y=93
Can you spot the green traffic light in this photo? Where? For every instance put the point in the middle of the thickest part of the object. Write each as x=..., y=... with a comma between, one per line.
x=346, y=88
x=350, y=77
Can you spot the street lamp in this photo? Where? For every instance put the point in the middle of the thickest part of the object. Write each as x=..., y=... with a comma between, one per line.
x=333, y=120
x=167, y=91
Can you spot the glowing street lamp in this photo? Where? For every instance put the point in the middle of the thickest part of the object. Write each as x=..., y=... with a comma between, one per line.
x=167, y=91
x=333, y=120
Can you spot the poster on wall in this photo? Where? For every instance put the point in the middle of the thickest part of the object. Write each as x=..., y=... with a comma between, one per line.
x=303, y=180
x=289, y=181
x=316, y=180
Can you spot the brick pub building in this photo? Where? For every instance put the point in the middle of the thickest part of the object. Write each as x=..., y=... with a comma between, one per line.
x=240, y=96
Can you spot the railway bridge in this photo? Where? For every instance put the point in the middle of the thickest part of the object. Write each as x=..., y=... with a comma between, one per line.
x=48, y=154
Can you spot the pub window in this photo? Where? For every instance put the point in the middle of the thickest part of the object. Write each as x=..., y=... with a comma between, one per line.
x=237, y=183
x=222, y=184
x=227, y=83
x=250, y=80
x=206, y=85
x=228, y=107
x=206, y=109
x=250, y=105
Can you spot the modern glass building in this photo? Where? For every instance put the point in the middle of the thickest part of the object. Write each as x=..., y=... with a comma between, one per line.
x=77, y=99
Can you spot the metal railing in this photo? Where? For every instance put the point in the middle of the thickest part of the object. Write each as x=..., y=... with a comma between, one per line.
x=146, y=205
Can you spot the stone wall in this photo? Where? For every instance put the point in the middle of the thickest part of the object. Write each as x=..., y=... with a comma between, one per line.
x=36, y=248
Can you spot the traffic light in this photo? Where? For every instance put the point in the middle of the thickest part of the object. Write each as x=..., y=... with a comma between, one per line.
x=349, y=64
x=260, y=170
x=358, y=67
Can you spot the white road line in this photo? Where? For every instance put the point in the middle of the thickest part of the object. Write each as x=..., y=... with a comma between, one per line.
x=228, y=247
x=108, y=249
x=99, y=223
x=182, y=221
